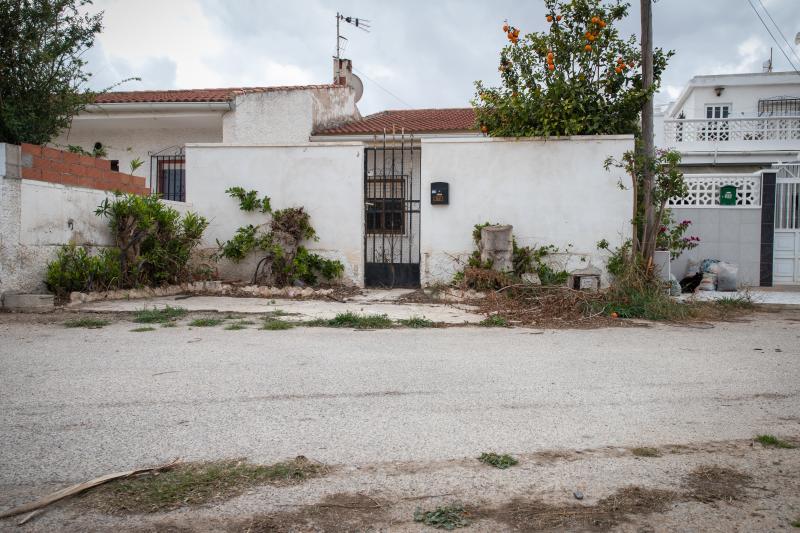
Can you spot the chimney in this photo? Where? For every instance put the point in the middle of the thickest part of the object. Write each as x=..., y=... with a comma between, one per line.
x=342, y=71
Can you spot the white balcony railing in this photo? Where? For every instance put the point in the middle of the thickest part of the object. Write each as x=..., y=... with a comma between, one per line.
x=734, y=133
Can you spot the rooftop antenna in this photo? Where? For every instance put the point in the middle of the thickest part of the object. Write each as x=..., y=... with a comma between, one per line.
x=766, y=66
x=361, y=24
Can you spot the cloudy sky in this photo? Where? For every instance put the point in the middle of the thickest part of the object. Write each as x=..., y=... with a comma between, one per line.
x=419, y=53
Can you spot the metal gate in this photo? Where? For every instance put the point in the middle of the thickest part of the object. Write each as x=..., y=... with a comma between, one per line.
x=786, y=251
x=391, y=213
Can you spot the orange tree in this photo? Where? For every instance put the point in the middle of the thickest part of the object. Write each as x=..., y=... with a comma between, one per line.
x=578, y=78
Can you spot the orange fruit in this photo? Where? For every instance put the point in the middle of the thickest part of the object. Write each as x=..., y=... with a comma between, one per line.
x=614, y=315
x=516, y=32
x=484, y=129
x=602, y=24
x=505, y=27
x=551, y=66
x=588, y=47
x=549, y=55
x=595, y=20
x=618, y=70
x=549, y=18
x=558, y=18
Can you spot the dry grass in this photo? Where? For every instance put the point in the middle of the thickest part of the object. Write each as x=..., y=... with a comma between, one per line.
x=197, y=483
x=535, y=515
x=645, y=451
x=709, y=483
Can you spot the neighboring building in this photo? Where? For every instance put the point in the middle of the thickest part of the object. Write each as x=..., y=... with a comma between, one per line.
x=154, y=126
x=739, y=134
x=735, y=122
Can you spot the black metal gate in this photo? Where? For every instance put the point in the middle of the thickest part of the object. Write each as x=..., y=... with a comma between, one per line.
x=391, y=213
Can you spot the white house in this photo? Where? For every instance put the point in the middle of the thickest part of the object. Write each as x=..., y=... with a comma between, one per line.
x=739, y=134
x=739, y=122
x=155, y=126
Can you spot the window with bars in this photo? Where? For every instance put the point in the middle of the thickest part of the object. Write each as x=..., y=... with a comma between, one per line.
x=169, y=173
x=386, y=205
x=779, y=107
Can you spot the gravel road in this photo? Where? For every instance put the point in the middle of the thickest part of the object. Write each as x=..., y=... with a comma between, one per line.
x=77, y=403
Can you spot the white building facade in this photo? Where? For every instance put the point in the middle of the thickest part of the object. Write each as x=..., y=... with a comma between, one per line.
x=739, y=134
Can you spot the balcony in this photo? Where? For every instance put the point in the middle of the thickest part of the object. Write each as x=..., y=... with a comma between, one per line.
x=768, y=134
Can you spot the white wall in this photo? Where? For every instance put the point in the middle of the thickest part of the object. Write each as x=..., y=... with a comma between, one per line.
x=325, y=179
x=37, y=218
x=126, y=139
x=730, y=234
x=287, y=117
x=552, y=191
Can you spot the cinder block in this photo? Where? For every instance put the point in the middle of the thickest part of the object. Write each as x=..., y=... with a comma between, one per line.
x=27, y=302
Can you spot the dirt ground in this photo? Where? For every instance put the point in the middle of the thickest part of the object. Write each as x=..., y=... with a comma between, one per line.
x=713, y=486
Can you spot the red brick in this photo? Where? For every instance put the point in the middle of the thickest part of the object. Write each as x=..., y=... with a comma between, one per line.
x=105, y=164
x=138, y=181
x=32, y=149
x=125, y=179
x=58, y=166
x=71, y=158
x=52, y=177
x=87, y=160
x=40, y=162
x=83, y=181
x=70, y=179
x=52, y=153
x=92, y=172
x=31, y=173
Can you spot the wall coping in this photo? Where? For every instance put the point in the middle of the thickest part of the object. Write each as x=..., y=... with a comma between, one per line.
x=542, y=140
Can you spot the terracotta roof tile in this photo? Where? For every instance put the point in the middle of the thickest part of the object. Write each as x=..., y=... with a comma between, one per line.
x=411, y=120
x=193, y=95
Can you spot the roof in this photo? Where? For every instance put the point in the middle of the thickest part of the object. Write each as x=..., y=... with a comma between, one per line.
x=408, y=120
x=194, y=95
x=732, y=80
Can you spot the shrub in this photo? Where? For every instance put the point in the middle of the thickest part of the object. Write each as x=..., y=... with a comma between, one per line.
x=75, y=269
x=480, y=276
x=155, y=243
x=286, y=260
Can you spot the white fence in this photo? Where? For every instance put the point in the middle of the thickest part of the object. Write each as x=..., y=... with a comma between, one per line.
x=704, y=190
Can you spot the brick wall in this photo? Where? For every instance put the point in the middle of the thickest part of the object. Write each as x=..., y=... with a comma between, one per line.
x=57, y=166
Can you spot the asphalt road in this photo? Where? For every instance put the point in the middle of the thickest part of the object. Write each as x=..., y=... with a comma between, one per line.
x=75, y=403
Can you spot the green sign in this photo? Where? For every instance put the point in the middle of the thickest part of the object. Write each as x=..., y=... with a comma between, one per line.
x=727, y=195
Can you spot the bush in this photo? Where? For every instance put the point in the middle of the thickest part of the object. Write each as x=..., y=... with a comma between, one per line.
x=286, y=260
x=480, y=276
x=155, y=243
x=74, y=269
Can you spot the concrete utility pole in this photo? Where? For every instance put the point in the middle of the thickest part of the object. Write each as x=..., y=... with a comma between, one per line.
x=647, y=142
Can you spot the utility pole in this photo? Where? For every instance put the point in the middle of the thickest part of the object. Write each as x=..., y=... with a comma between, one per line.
x=647, y=143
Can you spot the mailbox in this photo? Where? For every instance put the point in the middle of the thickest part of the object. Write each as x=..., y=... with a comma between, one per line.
x=727, y=195
x=440, y=193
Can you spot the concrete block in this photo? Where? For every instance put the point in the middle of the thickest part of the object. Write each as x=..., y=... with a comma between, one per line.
x=497, y=247
x=28, y=302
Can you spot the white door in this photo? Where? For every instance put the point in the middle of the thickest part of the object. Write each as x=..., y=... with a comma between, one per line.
x=786, y=251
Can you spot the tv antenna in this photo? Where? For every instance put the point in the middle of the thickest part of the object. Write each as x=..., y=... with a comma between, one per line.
x=361, y=24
